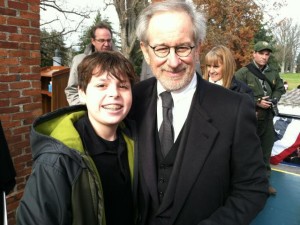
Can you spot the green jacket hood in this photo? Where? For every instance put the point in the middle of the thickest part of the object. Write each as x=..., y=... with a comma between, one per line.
x=55, y=132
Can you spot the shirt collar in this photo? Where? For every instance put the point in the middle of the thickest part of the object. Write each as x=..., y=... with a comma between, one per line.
x=176, y=95
x=219, y=82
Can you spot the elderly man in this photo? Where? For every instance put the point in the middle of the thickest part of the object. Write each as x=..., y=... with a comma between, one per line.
x=200, y=160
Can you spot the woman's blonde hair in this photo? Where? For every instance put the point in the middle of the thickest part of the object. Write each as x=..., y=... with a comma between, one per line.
x=221, y=55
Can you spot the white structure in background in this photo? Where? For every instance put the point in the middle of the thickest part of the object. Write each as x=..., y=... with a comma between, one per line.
x=56, y=58
x=289, y=103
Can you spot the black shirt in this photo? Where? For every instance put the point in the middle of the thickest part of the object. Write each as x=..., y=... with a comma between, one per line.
x=110, y=158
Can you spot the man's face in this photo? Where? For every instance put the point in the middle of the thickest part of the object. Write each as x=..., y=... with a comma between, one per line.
x=261, y=58
x=171, y=29
x=103, y=40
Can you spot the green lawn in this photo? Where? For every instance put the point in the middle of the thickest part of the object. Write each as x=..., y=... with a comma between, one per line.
x=293, y=80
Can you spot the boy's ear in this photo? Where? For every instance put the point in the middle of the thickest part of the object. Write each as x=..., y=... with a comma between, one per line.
x=81, y=96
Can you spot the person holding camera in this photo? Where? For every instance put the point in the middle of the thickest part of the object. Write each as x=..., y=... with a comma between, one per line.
x=267, y=88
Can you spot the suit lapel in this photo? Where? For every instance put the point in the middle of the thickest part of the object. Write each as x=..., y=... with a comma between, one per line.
x=197, y=140
x=147, y=141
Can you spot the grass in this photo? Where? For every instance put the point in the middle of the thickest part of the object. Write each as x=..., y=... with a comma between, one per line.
x=293, y=80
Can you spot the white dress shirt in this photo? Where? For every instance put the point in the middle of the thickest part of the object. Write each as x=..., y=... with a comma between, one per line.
x=182, y=102
x=218, y=82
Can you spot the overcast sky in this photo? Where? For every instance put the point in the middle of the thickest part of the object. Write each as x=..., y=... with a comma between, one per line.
x=291, y=11
x=71, y=23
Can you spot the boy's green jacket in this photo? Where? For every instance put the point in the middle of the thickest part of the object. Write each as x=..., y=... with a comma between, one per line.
x=63, y=168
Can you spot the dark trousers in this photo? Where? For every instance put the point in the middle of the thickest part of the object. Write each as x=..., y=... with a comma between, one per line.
x=266, y=133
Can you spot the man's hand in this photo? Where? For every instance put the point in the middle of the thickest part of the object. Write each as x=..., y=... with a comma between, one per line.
x=264, y=103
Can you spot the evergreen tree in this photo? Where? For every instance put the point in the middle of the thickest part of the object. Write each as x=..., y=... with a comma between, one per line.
x=50, y=42
x=266, y=35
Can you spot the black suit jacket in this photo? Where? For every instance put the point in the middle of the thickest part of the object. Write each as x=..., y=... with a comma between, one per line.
x=222, y=178
x=7, y=169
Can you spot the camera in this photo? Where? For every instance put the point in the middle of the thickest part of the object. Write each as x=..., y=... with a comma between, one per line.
x=274, y=102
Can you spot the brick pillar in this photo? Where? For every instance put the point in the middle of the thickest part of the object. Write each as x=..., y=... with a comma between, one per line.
x=20, y=99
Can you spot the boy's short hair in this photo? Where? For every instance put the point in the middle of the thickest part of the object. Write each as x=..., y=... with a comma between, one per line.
x=114, y=63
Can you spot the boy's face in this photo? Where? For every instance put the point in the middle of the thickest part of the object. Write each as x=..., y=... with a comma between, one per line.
x=108, y=101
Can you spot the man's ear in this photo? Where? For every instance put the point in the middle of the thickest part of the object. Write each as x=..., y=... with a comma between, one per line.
x=197, y=51
x=82, y=96
x=198, y=48
x=93, y=41
x=145, y=52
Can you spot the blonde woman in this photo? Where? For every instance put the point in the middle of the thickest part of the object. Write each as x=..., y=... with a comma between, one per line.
x=220, y=67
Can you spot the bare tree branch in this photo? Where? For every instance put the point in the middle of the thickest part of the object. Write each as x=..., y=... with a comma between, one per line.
x=65, y=19
x=287, y=35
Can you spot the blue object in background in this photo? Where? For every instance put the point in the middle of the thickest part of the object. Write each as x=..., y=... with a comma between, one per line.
x=50, y=86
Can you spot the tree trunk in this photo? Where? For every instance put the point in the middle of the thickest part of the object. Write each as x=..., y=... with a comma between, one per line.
x=128, y=11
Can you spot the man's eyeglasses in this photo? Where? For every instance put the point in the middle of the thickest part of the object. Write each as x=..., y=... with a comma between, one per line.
x=162, y=51
x=103, y=40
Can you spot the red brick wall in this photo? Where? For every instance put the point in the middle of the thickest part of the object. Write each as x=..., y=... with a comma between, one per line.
x=20, y=99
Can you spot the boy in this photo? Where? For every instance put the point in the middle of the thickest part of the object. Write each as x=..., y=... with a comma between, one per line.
x=83, y=155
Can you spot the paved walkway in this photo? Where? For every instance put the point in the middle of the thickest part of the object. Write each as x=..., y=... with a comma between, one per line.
x=286, y=168
x=284, y=208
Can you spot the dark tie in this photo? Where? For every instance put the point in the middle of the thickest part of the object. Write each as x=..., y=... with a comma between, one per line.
x=166, y=135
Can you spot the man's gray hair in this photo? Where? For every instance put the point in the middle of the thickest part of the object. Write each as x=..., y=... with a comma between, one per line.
x=197, y=17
